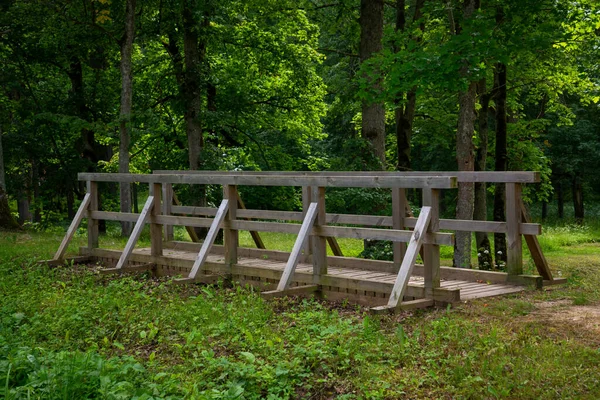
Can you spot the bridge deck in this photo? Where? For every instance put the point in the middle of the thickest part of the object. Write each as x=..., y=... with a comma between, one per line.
x=249, y=269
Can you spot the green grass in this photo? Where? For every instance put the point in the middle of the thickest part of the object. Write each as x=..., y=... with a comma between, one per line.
x=70, y=333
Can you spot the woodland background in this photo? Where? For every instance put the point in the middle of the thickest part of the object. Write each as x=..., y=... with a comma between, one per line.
x=309, y=85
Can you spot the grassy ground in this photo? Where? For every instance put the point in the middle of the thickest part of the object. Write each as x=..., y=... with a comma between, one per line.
x=69, y=333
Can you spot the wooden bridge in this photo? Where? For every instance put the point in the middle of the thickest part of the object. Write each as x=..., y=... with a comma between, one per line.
x=385, y=286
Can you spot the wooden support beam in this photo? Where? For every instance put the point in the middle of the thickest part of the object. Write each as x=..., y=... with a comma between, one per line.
x=255, y=235
x=526, y=280
x=399, y=289
x=306, y=202
x=514, y=244
x=403, y=306
x=129, y=268
x=431, y=251
x=155, y=227
x=334, y=246
x=301, y=240
x=399, y=203
x=135, y=234
x=92, y=228
x=555, y=281
x=231, y=236
x=167, y=204
x=535, y=249
x=208, y=242
x=319, y=249
x=200, y=278
x=294, y=291
x=62, y=249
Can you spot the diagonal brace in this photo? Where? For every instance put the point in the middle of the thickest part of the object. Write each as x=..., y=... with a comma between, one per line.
x=135, y=234
x=60, y=253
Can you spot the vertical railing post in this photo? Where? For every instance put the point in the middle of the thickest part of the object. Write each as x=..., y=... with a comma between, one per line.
x=431, y=252
x=231, y=236
x=167, y=197
x=514, y=245
x=319, y=245
x=92, y=189
x=306, y=200
x=398, y=215
x=156, y=244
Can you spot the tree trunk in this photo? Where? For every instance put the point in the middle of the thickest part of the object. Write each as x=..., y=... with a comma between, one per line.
x=126, y=106
x=6, y=219
x=2, y=173
x=544, y=210
x=484, y=256
x=405, y=107
x=577, y=187
x=560, y=198
x=501, y=162
x=465, y=159
x=373, y=113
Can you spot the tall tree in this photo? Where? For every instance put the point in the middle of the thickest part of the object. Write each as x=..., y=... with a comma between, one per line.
x=126, y=44
x=373, y=112
x=465, y=154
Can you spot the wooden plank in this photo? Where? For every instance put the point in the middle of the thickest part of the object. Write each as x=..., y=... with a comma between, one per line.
x=398, y=216
x=167, y=204
x=480, y=226
x=156, y=228
x=294, y=291
x=92, y=228
x=129, y=268
x=535, y=249
x=192, y=210
x=263, y=226
x=306, y=202
x=404, y=306
x=200, y=278
x=431, y=252
x=210, y=239
x=555, y=281
x=114, y=216
x=463, y=176
x=290, y=267
x=137, y=231
x=231, y=236
x=334, y=246
x=426, y=181
x=526, y=280
x=188, y=222
x=255, y=235
x=399, y=289
x=319, y=244
x=514, y=246
x=393, y=235
x=62, y=249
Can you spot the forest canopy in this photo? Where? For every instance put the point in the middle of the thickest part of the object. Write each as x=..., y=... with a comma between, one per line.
x=100, y=85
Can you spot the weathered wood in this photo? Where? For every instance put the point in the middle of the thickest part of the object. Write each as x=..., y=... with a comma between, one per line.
x=114, y=216
x=301, y=240
x=403, y=306
x=399, y=289
x=135, y=234
x=260, y=226
x=480, y=226
x=294, y=291
x=398, y=216
x=393, y=235
x=201, y=278
x=514, y=246
x=193, y=210
x=210, y=239
x=156, y=228
x=555, y=281
x=255, y=235
x=188, y=222
x=463, y=176
x=306, y=202
x=526, y=280
x=231, y=236
x=431, y=251
x=426, y=181
x=319, y=249
x=535, y=249
x=129, y=268
x=191, y=232
x=334, y=246
x=92, y=228
x=60, y=253
x=167, y=204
